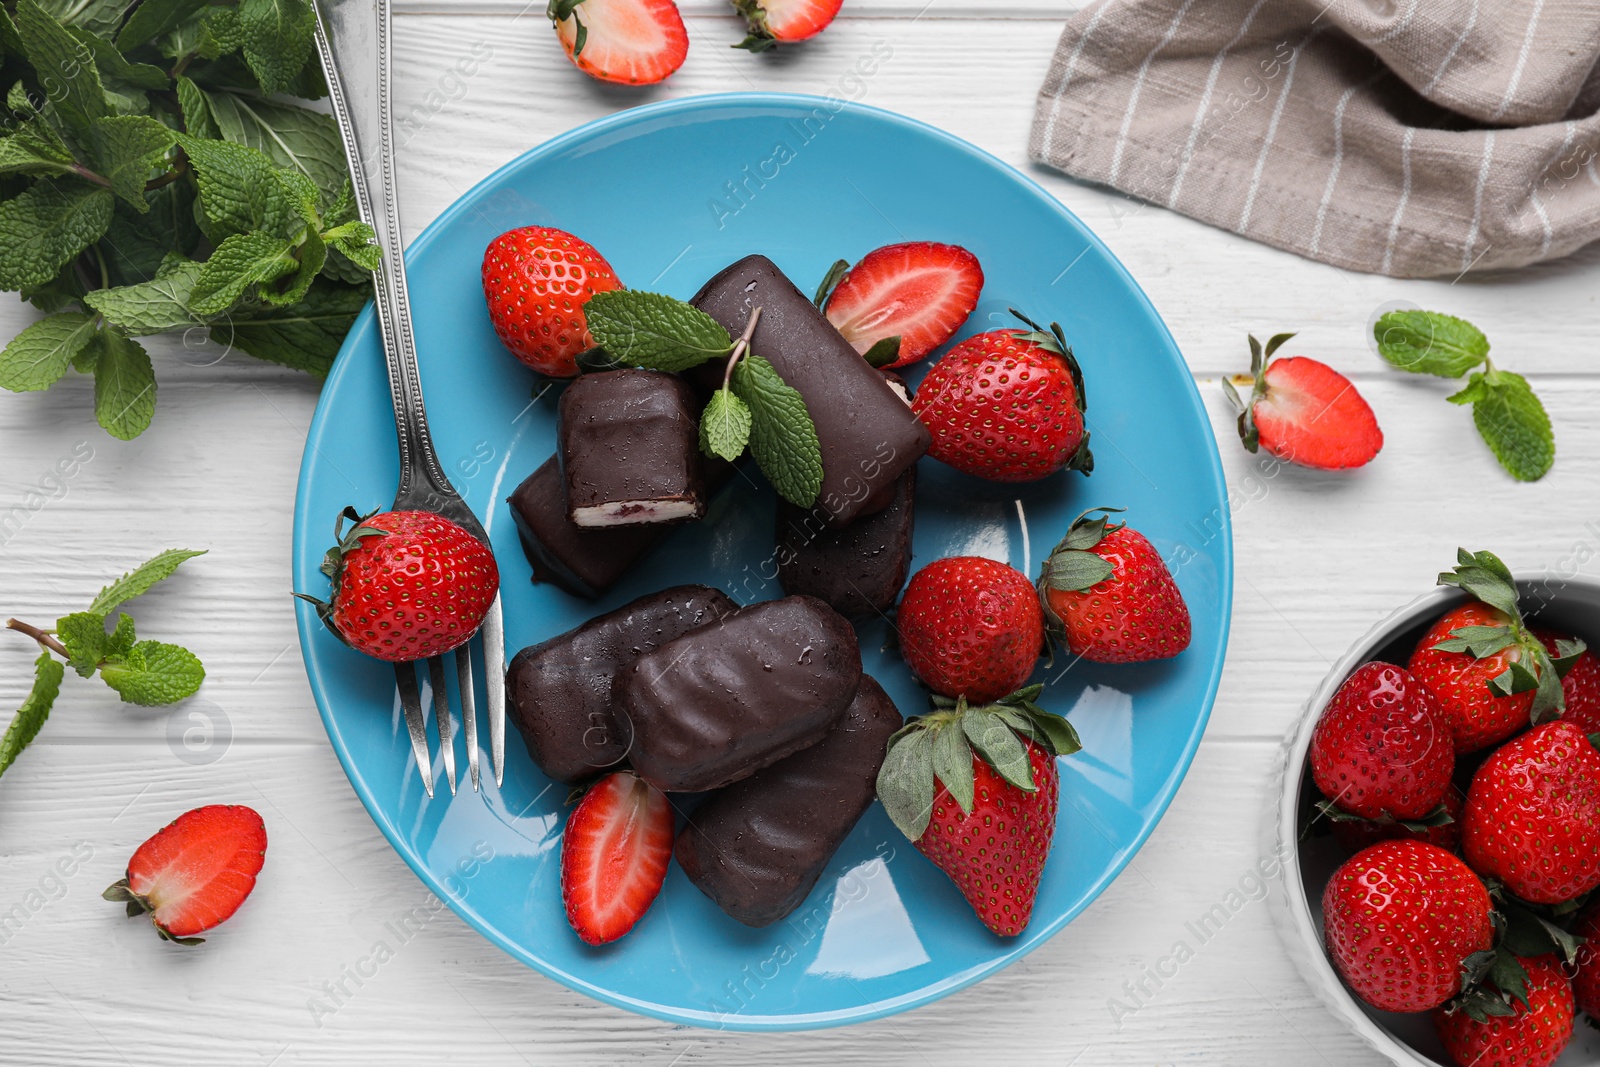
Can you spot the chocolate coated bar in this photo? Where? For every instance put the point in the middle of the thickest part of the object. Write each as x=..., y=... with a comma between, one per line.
x=857, y=569
x=630, y=450
x=867, y=433
x=723, y=701
x=758, y=846
x=559, y=691
x=585, y=562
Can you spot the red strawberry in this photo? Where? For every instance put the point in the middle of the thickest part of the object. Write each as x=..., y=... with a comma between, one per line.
x=1532, y=1035
x=772, y=21
x=1580, y=686
x=1108, y=595
x=614, y=856
x=1303, y=411
x=1491, y=675
x=536, y=280
x=1355, y=834
x=630, y=42
x=1399, y=918
x=406, y=584
x=1586, y=972
x=1382, y=748
x=909, y=298
x=196, y=871
x=986, y=816
x=1532, y=818
x=970, y=627
x=1007, y=405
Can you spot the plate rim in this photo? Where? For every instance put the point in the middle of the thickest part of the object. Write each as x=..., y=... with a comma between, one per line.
x=307, y=622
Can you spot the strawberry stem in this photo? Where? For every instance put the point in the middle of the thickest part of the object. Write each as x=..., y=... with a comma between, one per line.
x=40, y=636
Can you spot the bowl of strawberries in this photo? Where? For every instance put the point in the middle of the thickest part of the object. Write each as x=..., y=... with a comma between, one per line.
x=1439, y=825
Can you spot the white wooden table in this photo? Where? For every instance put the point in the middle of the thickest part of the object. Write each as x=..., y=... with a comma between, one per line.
x=1319, y=559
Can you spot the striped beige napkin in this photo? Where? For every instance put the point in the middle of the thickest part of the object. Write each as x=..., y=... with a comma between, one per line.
x=1409, y=137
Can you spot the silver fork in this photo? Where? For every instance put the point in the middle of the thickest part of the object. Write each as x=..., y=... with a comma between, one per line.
x=353, y=42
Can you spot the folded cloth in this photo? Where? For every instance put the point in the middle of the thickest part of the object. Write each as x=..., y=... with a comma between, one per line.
x=1409, y=137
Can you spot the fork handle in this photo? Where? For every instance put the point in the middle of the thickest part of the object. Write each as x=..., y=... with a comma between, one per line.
x=353, y=42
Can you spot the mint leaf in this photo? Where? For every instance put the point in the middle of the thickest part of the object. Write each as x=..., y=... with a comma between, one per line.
x=95, y=16
x=124, y=384
x=277, y=39
x=301, y=194
x=127, y=148
x=38, y=356
x=121, y=638
x=155, y=306
x=354, y=241
x=1427, y=342
x=44, y=228
x=306, y=336
x=654, y=331
x=725, y=426
x=196, y=109
x=783, y=439
x=84, y=634
x=119, y=76
x=1511, y=421
x=36, y=149
x=140, y=579
x=152, y=18
x=307, y=141
x=237, y=190
x=152, y=673
x=47, y=675
x=311, y=253
x=65, y=68
x=243, y=260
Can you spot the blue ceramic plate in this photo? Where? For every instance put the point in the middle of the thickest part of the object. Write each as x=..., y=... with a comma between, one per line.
x=670, y=193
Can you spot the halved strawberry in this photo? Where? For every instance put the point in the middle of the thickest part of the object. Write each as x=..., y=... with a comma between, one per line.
x=630, y=42
x=917, y=294
x=1303, y=411
x=772, y=21
x=196, y=871
x=614, y=856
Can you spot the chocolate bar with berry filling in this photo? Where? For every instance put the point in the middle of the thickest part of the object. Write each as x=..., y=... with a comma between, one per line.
x=867, y=434
x=721, y=702
x=758, y=846
x=857, y=569
x=558, y=692
x=630, y=450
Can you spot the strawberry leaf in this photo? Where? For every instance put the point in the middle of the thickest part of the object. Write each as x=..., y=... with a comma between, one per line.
x=1481, y=641
x=830, y=282
x=952, y=763
x=906, y=780
x=883, y=352
x=1000, y=747
x=1484, y=576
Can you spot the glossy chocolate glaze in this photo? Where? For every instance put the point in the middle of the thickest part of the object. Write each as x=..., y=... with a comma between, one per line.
x=630, y=451
x=758, y=846
x=723, y=701
x=558, y=692
x=867, y=433
x=857, y=569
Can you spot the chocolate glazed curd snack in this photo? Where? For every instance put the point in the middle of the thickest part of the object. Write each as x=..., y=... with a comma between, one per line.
x=858, y=568
x=757, y=847
x=721, y=702
x=559, y=692
x=629, y=449
x=867, y=434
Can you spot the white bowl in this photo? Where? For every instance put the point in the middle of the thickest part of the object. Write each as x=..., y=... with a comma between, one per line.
x=1570, y=605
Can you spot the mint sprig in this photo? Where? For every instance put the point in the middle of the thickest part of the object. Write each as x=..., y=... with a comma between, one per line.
x=1509, y=417
x=156, y=176
x=149, y=673
x=755, y=408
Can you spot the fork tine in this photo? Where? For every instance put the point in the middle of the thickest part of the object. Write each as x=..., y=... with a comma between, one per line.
x=469, y=713
x=494, y=668
x=442, y=715
x=405, y=679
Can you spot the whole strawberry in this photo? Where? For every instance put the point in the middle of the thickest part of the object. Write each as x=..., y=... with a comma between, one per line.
x=1586, y=969
x=1580, y=686
x=1532, y=1033
x=195, y=872
x=1491, y=675
x=1399, y=919
x=1007, y=405
x=1303, y=411
x=1108, y=596
x=970, y=627
x=976, y=789
x=1438, y=828
x=1532, y=818
x=406, y=584
x=536, y=280
x=1382, y=749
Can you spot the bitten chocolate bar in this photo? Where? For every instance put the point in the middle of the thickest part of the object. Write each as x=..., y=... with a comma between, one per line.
x=867, y=434
x=629, y=449
x=758, y=846
x=857, y=569
x=721, y=702
x=559, y=691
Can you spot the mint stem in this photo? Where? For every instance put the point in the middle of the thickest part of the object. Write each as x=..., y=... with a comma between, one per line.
x=40, y=636
x=741, y=346
x=88, y=175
